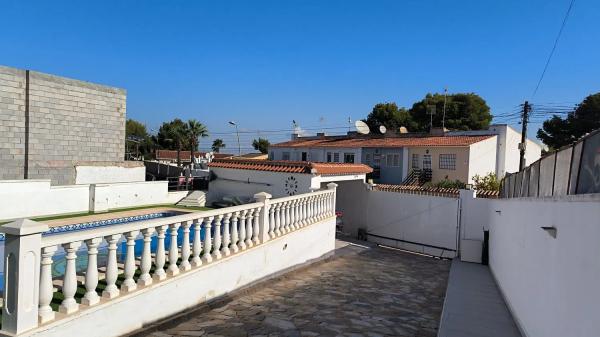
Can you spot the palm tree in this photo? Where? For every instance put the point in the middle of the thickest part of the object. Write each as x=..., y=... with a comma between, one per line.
x=195, y=130
x=217, y=145
x=178, y=133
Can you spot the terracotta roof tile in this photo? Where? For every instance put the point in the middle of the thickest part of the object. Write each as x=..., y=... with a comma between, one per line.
x=435, y=191
x=292, y=166
x=348, y=142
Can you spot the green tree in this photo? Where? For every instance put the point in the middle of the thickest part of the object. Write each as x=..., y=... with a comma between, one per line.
x=557, y=132
x=173, y=135
x=194, y=131
x=489, y=182
x=137, y=137
x=217, y=145
x=463, y=112
x=261, y=144
x=390, y=116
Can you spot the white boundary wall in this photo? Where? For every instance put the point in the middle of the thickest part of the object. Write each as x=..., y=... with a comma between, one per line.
x=550, y=284
x=199, y=285
x=429, y=220
x=109, y=174
x=32, y=198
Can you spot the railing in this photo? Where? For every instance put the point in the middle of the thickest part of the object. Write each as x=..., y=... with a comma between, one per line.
x=207, y=236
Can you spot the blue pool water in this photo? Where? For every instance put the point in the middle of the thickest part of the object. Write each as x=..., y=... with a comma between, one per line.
x=59, y=258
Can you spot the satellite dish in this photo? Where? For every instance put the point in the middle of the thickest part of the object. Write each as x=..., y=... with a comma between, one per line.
x=361, y=127
x=382, y=129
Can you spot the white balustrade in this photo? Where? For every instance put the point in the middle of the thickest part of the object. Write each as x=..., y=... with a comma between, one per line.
x=216, y=233
x=225, y=251
x=91, y=275
x=129, y=284
x=146, y=260
x=197, y=248
x=185, y=247
x=159, y=259
x=216, y=253
x=242, y=230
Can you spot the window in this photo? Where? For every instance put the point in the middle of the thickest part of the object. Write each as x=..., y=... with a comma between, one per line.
x=285, y=156
x=448, y=161
x=272, y=157
x=392, y=160
x=348, y=157
x=427, y=162
x=415, y=160
x=396, y=160
x=368, y=158
x=336, y=157
x=304, y=156
x=329, y=157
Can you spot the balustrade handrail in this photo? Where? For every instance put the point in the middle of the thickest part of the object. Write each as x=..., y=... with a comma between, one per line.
x=66, y=237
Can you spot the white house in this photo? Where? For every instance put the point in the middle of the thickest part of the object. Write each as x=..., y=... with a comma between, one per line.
x=244, y=178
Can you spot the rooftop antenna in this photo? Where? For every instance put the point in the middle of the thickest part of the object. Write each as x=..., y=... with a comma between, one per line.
x=361, y=127
x=322, y=122
x=349, y=123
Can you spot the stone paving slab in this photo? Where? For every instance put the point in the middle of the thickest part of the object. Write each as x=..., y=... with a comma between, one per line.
x=375, y=292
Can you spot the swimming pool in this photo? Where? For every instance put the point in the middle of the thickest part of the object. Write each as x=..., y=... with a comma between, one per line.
x=58, y=266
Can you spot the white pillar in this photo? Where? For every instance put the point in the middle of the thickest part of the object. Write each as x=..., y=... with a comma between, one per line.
x=91, y=275
x=333, y=186
x=278, y=219
x=216, y=253
x=173, y=270
x=146, y=261
x=242, y=232
x=22, y=249
x=234, y=232
x=129, y=284
x=68, y=304
x=185, y=247
x=159, y=259
x=225, y=251
x=46, y=314
x=206, y=257
x=197, y=247
x=111, y=290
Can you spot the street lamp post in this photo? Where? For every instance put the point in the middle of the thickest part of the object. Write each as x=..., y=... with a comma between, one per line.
x=238, y=137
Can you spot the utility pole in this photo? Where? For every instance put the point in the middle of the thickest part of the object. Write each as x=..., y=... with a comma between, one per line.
x=431, y=112
x=523, y=145
x=444, y=114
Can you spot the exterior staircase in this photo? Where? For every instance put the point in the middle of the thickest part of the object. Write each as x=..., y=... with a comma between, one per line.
x=194, y=199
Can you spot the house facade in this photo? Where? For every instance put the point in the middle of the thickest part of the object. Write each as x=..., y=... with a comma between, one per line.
x=451, y=155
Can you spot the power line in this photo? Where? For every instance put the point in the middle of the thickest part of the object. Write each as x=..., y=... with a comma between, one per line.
x=553, y=47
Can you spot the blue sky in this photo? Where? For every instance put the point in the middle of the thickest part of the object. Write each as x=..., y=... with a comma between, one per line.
x=264, y=63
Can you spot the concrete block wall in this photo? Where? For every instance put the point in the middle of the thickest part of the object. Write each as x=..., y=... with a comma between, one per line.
x=12, y=123
x=69, y=121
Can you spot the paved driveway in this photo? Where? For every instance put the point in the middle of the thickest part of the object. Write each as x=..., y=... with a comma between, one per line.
x=376, y=292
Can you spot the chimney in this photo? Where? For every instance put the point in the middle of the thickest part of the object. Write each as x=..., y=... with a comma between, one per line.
x=295, y=136
x=403, y=129
x=321, y=134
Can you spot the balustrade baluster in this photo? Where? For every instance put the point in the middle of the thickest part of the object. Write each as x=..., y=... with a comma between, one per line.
x=146, y=260
x=302, y=212
x=225, y=251
x=69, y=305
x=45, y=312
x=206, y=257
x=173, y=270
x=234, y=233
x=278, y=219
x=91, y=275
x=249, y=220
x=312, y=208
x=218, y=239
x=286, y=221
x=256, y=229
x=185, y=247
x=272, y=222
x=242, y=232
x=197, y=248
x=292, y=215
x=159, y=258
x=112, y=270
x=297, y=213
x=129, y=284
x=320, y=207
